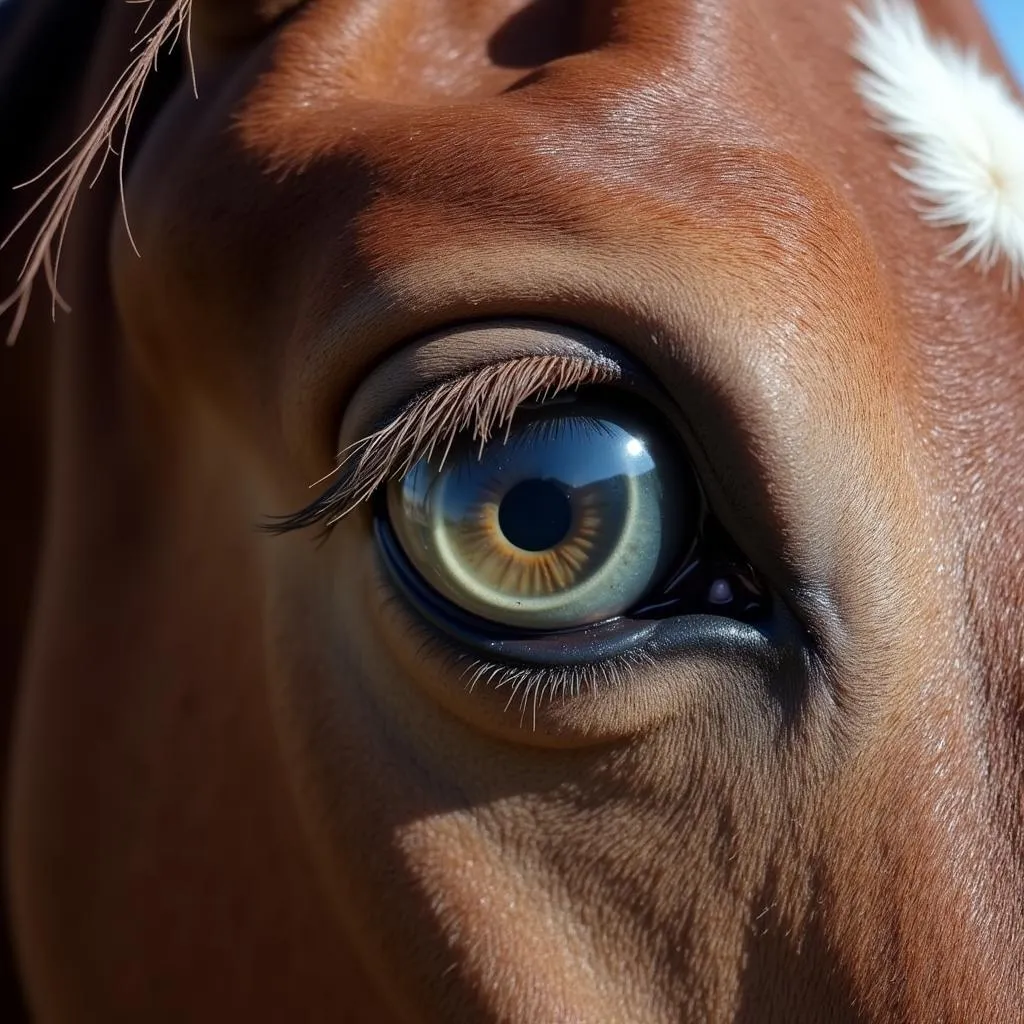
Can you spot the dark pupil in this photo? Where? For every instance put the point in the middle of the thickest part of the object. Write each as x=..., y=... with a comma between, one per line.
x=535, y=515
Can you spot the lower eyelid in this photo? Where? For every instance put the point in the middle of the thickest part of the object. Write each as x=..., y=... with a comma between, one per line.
x=606, y=701
x=529, y=689
x=526, y=699
x=596, y=685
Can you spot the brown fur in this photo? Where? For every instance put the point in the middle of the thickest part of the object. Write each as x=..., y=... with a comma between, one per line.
x=244, y=787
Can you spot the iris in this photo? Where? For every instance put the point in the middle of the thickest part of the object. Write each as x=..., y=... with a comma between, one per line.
x=570, y=520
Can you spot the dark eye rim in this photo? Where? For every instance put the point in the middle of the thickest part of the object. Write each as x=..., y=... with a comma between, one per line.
x=649, y=620
x=775, y=649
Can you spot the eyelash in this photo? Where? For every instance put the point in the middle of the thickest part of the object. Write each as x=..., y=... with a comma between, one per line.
x=531, y=684
x=481, y=404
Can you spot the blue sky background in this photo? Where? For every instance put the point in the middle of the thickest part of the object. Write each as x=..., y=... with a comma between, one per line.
x=1007, y=20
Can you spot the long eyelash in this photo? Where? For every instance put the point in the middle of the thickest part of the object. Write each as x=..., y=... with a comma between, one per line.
x=480, y=405
x=83, y=161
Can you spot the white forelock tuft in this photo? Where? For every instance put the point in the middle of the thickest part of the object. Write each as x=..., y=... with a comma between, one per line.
x=959, y=128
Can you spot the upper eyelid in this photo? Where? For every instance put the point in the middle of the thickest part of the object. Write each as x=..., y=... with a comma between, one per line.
x=482, y=401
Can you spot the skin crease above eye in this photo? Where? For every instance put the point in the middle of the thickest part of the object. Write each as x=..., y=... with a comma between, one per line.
x=247, y=783
x=454, y=352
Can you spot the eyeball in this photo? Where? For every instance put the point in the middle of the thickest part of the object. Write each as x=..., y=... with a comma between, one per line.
x=569, y=520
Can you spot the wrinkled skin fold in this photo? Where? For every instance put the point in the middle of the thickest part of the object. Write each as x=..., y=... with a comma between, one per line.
x=241, y=787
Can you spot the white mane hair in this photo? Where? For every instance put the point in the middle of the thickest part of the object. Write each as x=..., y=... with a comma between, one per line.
x=958, y=128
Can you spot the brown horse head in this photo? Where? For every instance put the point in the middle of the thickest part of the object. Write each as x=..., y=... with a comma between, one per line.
x=651, y=652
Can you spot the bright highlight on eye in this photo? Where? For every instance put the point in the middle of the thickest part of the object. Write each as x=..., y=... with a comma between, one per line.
x=570, y=520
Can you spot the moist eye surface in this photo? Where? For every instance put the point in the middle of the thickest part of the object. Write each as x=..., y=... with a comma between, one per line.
x=571, y=519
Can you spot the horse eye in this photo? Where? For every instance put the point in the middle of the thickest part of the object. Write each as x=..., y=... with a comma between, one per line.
x=573, y=518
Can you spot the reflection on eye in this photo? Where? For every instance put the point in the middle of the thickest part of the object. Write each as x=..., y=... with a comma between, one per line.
x=571, y=520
